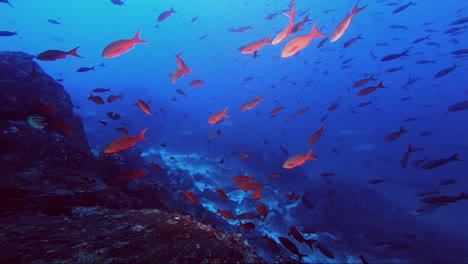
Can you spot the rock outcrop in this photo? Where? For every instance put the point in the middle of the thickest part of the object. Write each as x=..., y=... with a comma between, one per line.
x=60, y=203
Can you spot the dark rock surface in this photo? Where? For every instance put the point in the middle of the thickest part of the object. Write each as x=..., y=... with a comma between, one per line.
x=60, y=203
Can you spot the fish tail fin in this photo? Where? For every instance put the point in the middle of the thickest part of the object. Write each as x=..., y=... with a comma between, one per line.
x=357, y=9
x=172, y=10
x=455, y=157
x=92, y=68
x=360, y=36
x=73, y=52
x=310, y=155
x=402, y=130
x=141, y=136
x=137, y=38
x=411, y=149
x=224, y=113
x=267, y=40
x=315, y=33
x=300, y=255
x=178, y=55
x=310, y=243
x=381, y=85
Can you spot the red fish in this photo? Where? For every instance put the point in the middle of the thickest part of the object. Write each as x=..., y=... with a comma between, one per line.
x=113, y=98
x=285, y=33
x=156, y=166
x=315, y=137
x=222, y=194
x=249, y=186
x=243, y=178
x=369, y=90
x=275, y=111
x=192, y=197
x=119, y=47
x=252, y=104
x=122, y=130
x=248, y=226
x=144, y=106
x=247, y=216
x=262, y=210
x=245, y=155
x=299, y=43
x=254, y=46
x=298, y=160
x=363, y=81
x=392, y=136
x=344, y=24
x=196, y=83
x=97, y=99
x=179, y=73
x=225, y=214
x=257, y=194
x=125, y=142
x=180, y=63
x=51, y=55
x=216, y=117
x=133, y=175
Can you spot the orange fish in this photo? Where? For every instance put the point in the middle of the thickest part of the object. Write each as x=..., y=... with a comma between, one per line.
x=262, y=210
x=245, y=155
x=250, y=105
x=179, y=73
x=197, y=83
x=249, y=186
x=222, y=194
x=125, y=142
x=285, y=33
x=133, y=174
x=144, y=106
x=216, y=117
x=180, y=63
x=119, y=47
x=275, y=175
x=364, y=81
x=298, y=160
x=113, y=98
x=315, y=137
x=192, y=197
x=156, y=166
x=344, y=24
x=392, y=136
x=275, y=111
x=242, y=178
x=254, y=46
x=248, y=226
x=225, y=214
x=247, y=216
x=97, y=99
x=299, y=43
x=369, y=90
x=257, y=194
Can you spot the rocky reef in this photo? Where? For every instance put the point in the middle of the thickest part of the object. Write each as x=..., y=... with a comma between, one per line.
x=60, y=203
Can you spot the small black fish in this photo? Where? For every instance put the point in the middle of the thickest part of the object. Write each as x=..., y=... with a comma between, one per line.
x=8, y=33
x=103, y=122
x=376, y=181
x=101, y=90
x=445, y=71
x=432, y=164
x=459, y=106
x=85, y=69
x=447, y=182
x=114, y=115
x=53, y=21
x=403, y=7
x=395, y=56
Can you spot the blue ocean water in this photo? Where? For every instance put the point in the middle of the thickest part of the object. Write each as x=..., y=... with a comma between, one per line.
x=352, y=146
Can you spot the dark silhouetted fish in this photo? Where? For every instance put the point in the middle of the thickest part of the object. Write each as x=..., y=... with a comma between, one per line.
x=432, y=164
x=289, y=245
x=395, y=56
x=298, y=236
x=445, y=71
x=447, y=182
x=403, y=7
x=459, y=106
x=443, y=199
x=272, y=243
x=326, y=251
x=376, y=181
x=460, y=52
x=404, y=160
x=7, y=33
x=421, y=39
